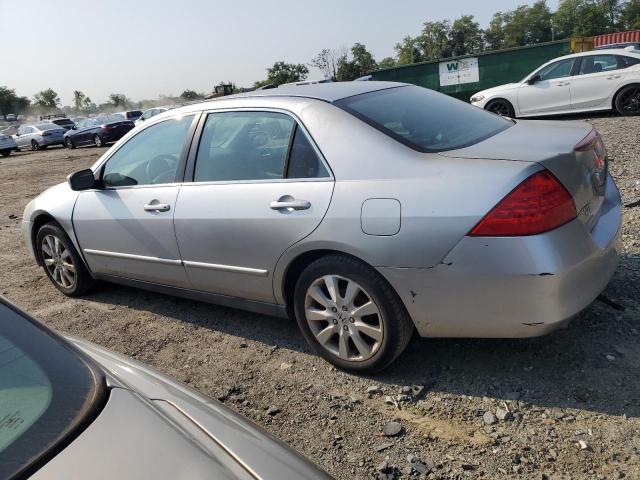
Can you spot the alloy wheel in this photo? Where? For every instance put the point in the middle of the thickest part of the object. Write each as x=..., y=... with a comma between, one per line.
x=34, y=145
x=344, y=318
x=630, y=100
x=58, y=261
x=499, y=108
x=97, y=140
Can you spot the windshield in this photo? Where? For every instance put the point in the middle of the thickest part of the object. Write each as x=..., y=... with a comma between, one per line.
x=62, y=121
x=423, y=119
x=46, y=393
x=134, y=114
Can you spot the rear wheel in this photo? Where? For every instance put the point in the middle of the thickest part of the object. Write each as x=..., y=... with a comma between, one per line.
x=501, y=107
x=69, y=143
x=628, y=101
x=34, y=145
x=350, y=315
x=61, y=261
x=98, y=141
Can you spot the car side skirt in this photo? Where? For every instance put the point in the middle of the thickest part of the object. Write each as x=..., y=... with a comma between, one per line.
x=263, y=308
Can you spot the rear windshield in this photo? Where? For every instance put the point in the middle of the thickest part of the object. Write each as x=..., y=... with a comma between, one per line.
x=62, y=121
x=423, y=119
x=47, y=126
x=47, y=393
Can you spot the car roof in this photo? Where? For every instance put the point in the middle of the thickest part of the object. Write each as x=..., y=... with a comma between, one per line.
x=328, y=92
x=608, y=51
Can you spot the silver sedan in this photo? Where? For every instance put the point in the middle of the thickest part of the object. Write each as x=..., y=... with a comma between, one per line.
x=366, y=210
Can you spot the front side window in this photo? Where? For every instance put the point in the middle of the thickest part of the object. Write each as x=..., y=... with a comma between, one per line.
x=149, y=158
x=424, y=120
x=243, y=146
x=597, y=64
x=559, y=69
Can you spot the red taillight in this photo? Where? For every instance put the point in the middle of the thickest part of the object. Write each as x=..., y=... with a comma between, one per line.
x=537, y=205
x=106, y=128
x=593, y=141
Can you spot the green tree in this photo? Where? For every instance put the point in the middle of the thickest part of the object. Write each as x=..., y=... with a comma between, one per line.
x=78, y=99
x=387, y=62
x=585, y=18
x=46, y=99
x=119, y=100
x=12, y=103
x=434, y=40
x=281, y=72
x=191, y=95
x=465, y=36
x=408, y=51
x=359, y=63
x=525, y=25
x=327, y=62
x=494, y=33
x=630, y=15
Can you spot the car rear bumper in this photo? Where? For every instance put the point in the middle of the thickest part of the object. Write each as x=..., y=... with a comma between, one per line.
x=513, y=286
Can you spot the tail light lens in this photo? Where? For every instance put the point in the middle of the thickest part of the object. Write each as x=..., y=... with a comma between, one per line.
x=593, y=141
x=539, y=204
x=106, y=128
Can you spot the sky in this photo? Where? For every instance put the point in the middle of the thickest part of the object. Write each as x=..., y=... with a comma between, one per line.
x=146, y=48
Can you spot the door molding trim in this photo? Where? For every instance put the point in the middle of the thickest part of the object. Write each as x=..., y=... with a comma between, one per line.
x=227, y=268
x=254, y=306
x=130, y=256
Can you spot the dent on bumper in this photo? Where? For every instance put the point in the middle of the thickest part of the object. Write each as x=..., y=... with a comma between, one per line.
x=513, y=286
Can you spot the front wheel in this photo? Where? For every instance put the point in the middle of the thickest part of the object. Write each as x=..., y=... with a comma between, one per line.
x=34, y=145
x=61, y=261
x=628, y=101
x=501, y=107
x=98, y=141
x=69, y=143
x=350, y=315
x=5, y=153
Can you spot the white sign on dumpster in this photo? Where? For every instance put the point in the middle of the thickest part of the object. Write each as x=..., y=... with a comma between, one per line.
x=456, y=72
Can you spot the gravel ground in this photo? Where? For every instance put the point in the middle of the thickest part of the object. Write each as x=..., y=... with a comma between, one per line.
x=565, y=406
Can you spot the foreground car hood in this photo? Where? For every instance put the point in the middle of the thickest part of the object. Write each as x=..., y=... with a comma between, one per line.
x=234, y=443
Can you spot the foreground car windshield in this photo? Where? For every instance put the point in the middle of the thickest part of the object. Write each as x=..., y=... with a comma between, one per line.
x=46, y=393
x=424, y=120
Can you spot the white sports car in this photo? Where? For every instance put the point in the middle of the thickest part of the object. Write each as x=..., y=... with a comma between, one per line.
x=581, y=82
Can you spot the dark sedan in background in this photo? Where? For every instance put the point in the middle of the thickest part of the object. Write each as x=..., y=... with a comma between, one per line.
x=97, y=131
x=71, y=409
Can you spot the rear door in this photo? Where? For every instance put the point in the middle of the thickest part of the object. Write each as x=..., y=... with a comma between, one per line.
x=550, y=94
x=126, y=228
x=598, y=78
x=259, y=186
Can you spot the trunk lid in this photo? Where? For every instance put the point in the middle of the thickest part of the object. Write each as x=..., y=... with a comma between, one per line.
x=551, y=144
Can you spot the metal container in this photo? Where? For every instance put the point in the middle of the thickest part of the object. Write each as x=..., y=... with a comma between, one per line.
x=463, y=76
x=618, y=37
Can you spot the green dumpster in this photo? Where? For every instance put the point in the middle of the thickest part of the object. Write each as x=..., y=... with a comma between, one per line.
x=463, y=76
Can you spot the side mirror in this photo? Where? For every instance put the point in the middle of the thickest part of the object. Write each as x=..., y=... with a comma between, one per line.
x=82, y=180
x=534, y=79
x=75, y=127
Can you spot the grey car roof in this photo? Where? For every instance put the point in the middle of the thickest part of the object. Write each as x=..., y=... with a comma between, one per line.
x=328, y=92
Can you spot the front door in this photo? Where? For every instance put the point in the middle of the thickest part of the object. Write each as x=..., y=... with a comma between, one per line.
x=551, y=93
x=126, y=227
x=259, y=186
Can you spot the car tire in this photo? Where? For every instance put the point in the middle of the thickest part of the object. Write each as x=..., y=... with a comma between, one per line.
x=334, y=328
x=61, y=261
x=5, y=153
x=98, y=141
x=34, y=145
x=628, y=101
x=69, y=143
x=501, y=107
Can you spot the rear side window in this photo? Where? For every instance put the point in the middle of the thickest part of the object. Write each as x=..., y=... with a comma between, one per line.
x=304, y=161
x=597, y=64
x=629, y=61
x=424, y=120
x=134, y=114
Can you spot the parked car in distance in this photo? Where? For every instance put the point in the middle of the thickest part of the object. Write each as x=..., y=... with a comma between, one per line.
x=98, y=131
x=7, y=145
x=152, y=112
x=39, y=135
x=65, y=123
x=11, y=117
x=582, y=82
x=68, y=421
x=367, y=210
x=132, y=115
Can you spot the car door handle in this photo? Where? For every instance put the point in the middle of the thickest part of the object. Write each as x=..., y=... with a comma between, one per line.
x=613, y=76
x=157, y=207
x=292, y=204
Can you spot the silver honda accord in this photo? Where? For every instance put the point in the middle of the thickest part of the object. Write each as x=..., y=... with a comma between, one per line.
x=367, y=210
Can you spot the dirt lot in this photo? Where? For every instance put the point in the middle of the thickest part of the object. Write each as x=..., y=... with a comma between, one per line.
x=571, y=399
